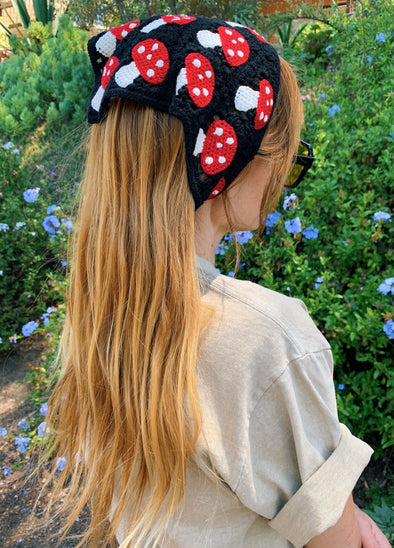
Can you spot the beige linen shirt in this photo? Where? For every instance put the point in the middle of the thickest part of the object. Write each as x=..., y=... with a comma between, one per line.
x=286, y=465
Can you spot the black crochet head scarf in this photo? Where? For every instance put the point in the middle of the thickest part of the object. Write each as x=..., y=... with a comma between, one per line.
x=221, y=79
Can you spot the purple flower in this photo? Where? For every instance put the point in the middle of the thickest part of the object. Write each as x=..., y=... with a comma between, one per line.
x=318, y=282
x=388, y=328
x=387, y=286
x=29, y=328
x=289, y=201
x=23, y=425
x=22, y=443
x=31, y=195
x=382, y=216
x=333, y=110
x=51, y=223
x=3, y=431
x=311, y=233
x=44, y=409
x=293, y=226
x=51, y=209
x=243, y=236
x=381, y=37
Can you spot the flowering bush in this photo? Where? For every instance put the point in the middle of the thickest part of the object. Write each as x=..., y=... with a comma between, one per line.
x=330, y=242
x=32, y=249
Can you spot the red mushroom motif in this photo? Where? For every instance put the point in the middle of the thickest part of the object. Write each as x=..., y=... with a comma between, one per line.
x=168, y=19
x=109, y=69
x=258, y=35
x=150, y=61
x=235, y=46
x=218, y=189
x=178, y=19
x=263, y=101
x=106, y=44
x=199, y=77
x=217, y=147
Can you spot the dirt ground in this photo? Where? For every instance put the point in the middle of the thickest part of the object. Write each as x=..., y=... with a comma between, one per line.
x=24, y=526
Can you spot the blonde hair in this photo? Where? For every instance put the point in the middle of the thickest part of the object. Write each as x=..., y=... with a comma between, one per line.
x=126, y=404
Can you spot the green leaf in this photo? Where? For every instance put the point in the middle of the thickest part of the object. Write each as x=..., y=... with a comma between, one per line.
x=23, y=14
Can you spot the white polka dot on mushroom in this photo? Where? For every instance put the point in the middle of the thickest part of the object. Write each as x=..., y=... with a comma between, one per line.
x=150, y=73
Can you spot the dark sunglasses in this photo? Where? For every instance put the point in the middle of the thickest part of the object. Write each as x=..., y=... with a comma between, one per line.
x=302, y=161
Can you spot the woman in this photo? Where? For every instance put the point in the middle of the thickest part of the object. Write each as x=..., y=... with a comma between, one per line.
x=195, y=410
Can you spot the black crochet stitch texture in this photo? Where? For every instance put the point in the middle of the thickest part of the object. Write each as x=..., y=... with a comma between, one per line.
x=181, y=40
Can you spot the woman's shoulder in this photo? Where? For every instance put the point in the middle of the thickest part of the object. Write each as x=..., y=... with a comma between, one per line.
x=244, y=304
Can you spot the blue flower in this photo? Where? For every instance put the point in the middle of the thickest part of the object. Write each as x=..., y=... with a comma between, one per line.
x=318, y=282
x=44, y=409
x=31, y=195
x=293, y=226
x=322, y=95
x=22, y=443
x=8, y=145
x=19, y=224
x=369, y=59
x=311, y=233
x=63, y=263
x=4, y=227
x=387, y=286
x=341, y=386
x=333, y=110
x=329, y=48
x=41, y=429
x=3, y=431
x=29, y=328
x=51, y=223
x=382, y=216
x=23, y=425
x=68, y=224
x=51, y=209
x=272, y=219
x=6, y=471
x=381, y=37
x=388, y=328
x=61, y=463
x=243, y=236
x=289, y=201
x=231, y=274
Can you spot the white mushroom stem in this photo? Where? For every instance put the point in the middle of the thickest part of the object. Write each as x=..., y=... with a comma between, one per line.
x=208, y=39
x=199, y=142
x=154, y=25
x=106, y=44
x=126, y=75
x=96, y=101
x=246, y=98
x=181, y=80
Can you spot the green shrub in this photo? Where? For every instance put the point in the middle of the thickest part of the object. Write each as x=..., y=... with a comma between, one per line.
x=45, y=82
x=340, y=274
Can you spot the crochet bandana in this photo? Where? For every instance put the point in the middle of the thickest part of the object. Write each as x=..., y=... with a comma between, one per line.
x=221, y=79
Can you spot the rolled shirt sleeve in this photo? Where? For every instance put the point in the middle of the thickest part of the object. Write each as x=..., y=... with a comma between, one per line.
x=302, y=463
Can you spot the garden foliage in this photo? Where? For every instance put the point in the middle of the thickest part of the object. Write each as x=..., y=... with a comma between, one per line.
x=330, y=242
x=45, y=81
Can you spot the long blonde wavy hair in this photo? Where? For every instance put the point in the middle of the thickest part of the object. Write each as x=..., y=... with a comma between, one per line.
x=125, y=410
